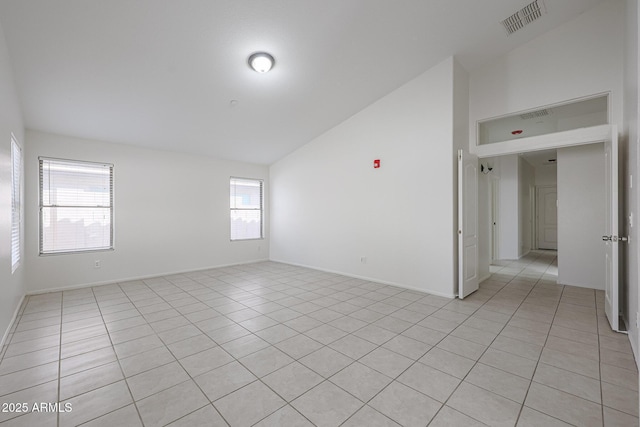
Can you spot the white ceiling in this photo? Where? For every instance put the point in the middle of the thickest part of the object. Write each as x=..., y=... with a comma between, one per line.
x=162, y=73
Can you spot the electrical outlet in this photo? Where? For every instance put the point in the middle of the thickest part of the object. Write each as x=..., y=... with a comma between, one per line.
x=96, y=264
x=363, y=259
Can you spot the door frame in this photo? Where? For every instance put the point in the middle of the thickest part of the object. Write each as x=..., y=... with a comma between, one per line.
x=533, y=201
x=495, y=218
x=583, y=136
x=569, y=138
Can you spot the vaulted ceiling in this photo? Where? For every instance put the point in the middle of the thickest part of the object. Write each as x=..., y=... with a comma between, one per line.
x=162, y=73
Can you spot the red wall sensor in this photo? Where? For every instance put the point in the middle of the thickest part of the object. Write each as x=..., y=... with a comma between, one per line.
x=376, y=163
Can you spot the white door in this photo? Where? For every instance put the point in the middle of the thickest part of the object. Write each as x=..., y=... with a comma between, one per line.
x=547, y=217
x=467, y=224
x=611, y=238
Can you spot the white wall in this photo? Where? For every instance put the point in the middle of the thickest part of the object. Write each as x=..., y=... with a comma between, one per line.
x=330, y=207
x=10, y=121
x=526, y=179
x=509, y=207
x=460, y=139
x=580, y=58
x=546, y=174
x=631, y=162
x=581, y=216
x=171, y=214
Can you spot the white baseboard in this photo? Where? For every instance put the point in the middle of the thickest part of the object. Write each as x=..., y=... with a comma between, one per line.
x=129, y=279
x=524, y=254
x=370, y=279
x=485, y=277
x=13, y=320
x=170, y=273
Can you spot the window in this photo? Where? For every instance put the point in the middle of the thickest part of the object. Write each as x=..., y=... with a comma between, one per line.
x=76, y=206
x=16, y=212
x=246, y=208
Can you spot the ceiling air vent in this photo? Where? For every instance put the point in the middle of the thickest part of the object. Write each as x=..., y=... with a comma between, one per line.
x=535, y=114
x=524, y=16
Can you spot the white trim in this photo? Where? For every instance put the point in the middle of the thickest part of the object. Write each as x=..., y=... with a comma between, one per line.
x=544, y=107
x=232, y=184
x=370, y=279
x=50, y=161
x=13, y=319
x=111, y=282
x=582, y=136
x=129, y=279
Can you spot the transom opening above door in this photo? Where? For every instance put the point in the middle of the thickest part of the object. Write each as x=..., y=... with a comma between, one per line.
x=572, y=115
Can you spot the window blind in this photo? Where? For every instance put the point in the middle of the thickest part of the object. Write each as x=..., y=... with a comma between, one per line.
x=16, y=211
x=76, y=206
x=246, y=208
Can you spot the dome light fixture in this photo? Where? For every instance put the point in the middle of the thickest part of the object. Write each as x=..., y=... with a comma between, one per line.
x=261, y=62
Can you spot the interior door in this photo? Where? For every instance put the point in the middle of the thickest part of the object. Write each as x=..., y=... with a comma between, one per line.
x=547, y=217
x=611, y=306
x=467, y=224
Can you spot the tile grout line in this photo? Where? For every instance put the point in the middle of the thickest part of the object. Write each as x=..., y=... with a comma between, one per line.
x=124, y=378
x=442, y=307
x=323, y=346
x=13, y=330
x=505, y=285
x=306, y=287
x=443, y=404
x=488, y=346
x=540, y=356
x=192, y=379
x=218, y=345
x=58, y=397
x=599, y=359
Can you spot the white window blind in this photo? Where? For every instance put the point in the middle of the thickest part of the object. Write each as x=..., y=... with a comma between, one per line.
x=246, y=208
x=16, y=211
x=76, y=206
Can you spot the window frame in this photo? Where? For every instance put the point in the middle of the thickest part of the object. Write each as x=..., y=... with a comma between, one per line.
x=16, y=203
x=41, y=206
x=261, y=209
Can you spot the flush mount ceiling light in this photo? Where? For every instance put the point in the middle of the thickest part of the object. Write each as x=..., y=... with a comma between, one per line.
x=261, y=62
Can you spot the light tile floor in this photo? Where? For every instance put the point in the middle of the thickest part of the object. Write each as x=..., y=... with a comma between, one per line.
x=270, y=344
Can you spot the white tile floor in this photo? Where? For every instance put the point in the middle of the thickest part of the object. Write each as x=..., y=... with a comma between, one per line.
x=270, y=344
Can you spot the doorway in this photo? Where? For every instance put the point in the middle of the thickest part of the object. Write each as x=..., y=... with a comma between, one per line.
x=546, y=217
x=586, y=140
